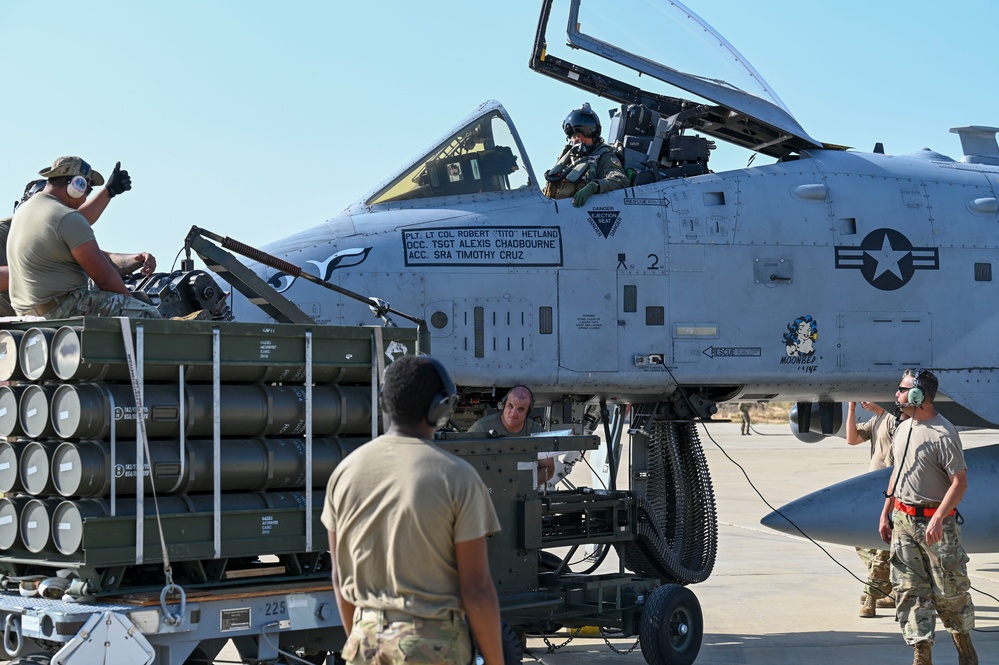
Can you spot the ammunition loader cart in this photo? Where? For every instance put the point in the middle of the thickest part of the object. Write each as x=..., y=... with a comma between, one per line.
x=222, y=539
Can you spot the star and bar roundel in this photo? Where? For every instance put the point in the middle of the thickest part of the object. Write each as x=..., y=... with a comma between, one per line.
x=887, y=259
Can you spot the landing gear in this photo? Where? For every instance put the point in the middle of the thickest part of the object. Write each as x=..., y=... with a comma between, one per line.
x=672, y=626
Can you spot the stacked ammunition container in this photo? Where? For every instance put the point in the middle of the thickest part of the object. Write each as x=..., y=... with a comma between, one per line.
x=244, y=422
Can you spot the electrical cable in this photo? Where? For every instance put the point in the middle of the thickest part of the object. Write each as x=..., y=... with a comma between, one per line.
x=791, y=522
x=174, y=264
x=760, y=494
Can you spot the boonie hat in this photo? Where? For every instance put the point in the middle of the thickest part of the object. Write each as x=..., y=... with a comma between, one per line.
x=70, y=166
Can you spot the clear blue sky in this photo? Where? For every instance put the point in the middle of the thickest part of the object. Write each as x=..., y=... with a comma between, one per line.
x=257, y=119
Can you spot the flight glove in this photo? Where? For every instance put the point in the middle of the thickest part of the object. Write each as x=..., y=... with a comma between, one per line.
x=586, y=192
x=119, y=181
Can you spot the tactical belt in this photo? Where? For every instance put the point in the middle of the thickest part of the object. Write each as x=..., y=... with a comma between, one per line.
x=392, y=616
x=918, y=511
x=45, y=307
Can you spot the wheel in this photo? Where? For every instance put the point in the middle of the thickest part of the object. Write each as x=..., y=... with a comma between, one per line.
x=313, y=657
x=671, y=627
x=33, y=659
x=198, y=657
x=513, y=652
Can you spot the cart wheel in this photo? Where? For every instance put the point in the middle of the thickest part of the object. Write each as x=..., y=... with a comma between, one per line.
x=313, y=657
x=672, y=626
x=198, y=657
x=33, y=659
x=513, y=653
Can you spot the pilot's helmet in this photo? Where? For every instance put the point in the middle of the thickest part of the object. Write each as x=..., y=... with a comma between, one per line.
x=582, y=120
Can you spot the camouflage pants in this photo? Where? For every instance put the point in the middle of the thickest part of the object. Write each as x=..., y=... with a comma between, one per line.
x=878, y=570
x=84, y=302
x=375, y=640
x=930, y=580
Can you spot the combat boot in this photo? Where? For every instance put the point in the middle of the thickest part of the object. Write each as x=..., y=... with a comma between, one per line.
x=886, y=600
x=922, y=653
x=867, y=610
x=966, y=654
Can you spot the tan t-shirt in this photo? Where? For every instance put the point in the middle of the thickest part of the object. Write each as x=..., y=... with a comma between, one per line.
x=5, y=307
x=39, y=248
x=934, y=454
x=879, y=431
x=398, y=505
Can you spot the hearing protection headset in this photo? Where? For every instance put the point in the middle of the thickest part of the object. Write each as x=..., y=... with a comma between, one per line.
x=442, y=404
x=77, y=186
x=502, y=403
x=916, y=396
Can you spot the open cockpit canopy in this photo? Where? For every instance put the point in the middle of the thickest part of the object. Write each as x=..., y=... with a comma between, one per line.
x=640, y=36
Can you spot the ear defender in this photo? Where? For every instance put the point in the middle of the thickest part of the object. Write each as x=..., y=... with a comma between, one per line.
x=916, y=395
x=502, y=403
x=442, y=405
x=77, y=187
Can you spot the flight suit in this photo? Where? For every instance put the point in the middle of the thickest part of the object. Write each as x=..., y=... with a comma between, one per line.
x=603, y=168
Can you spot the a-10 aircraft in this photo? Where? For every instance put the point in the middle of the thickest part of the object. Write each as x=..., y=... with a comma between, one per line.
x=815, y=279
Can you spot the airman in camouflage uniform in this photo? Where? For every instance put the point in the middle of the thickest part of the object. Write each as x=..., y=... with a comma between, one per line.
x=587, y=165
x=879, y=430
x=929, y=564
x=747, y=420
x=386, y=642
x=84, y=302
x=54, y=255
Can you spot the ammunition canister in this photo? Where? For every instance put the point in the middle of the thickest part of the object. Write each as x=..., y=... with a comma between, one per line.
x=33, y=411
x=33, y=354
x=84, y=410
x=71, y=516
x=10, y=424
x=10, y=511
x=34, y=465
x=35, y=524
x=249, y=353
x=10, y=475
x=10, y=366
x=84, y=468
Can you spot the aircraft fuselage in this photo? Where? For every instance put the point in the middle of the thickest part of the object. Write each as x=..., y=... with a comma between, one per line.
x=819, y=278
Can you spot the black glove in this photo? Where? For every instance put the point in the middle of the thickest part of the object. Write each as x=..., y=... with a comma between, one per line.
x=119, y=181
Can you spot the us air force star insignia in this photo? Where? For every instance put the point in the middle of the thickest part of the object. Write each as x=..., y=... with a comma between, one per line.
x=605, y=221
x=887, y=259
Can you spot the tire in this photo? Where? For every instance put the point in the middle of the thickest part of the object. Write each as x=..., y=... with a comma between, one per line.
x=672, y=626
x=513, y=652
x=33, y=659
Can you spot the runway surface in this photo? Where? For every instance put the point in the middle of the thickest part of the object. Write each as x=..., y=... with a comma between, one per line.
x=780, y=600
x=774, y=599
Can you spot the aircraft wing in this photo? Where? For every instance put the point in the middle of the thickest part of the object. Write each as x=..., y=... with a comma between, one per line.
x=759, y=122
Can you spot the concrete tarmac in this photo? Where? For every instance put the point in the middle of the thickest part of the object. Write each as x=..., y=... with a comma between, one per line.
x=780, y=600
x=775, y=599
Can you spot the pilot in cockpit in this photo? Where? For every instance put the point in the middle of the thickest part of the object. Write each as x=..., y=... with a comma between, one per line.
x=587, y=165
